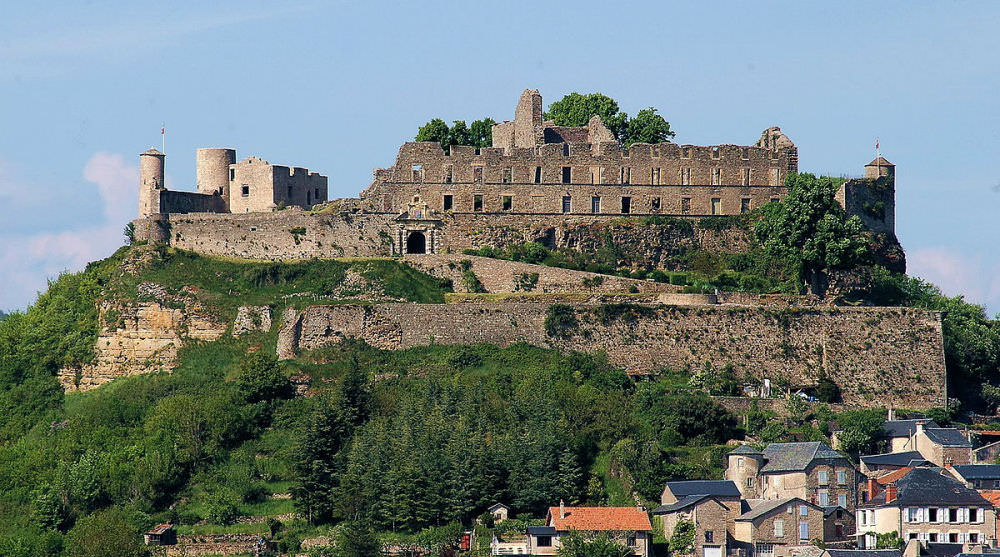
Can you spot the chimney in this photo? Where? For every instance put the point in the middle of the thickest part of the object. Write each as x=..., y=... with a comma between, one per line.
x=562, y=509
x=892, y=414
x=890, y=493
x=873, y=488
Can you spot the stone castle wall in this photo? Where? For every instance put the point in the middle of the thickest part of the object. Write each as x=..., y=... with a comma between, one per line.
x=876, y=355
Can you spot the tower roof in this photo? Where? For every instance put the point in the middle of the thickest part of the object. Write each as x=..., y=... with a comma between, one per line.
x=880, y=162
x=153, y=152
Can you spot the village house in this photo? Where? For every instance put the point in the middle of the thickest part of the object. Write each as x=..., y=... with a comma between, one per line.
x=811, y=471
x=499, y=512
x=927, y=505
x=630, y=526
x=711, y=506
x=877, y=465
x=944, y=446
x=977, y=476
x=770, y=528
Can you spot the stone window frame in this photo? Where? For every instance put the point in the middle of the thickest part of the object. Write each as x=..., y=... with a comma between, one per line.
x=447, y=202
x=625, y=175
x=626, y=204
x=841, y=477
x=595, y=204
x=478, y=174
x=654, y=204
x=477, y=203
x=686, y=176
x=747, y=176
x=418, y=172
x=245, y=190
x=709, y=536
x=716, y=205
x=745, y=205
x=716, y=153
x=567, y=204
x=745, y=154
x=506, y=202
x=716, y=176
x=538, y=175
x=567, y=175
x=507, y=175
x=779, y=527
x=823, y=477
x=686, y=152
x=685, y=205
x=449, y=173
x=654, y=176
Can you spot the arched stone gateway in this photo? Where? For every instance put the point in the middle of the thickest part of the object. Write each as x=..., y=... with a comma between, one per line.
x=416, y=242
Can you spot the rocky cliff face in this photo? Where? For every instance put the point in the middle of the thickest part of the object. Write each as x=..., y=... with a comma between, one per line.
x=141, y=337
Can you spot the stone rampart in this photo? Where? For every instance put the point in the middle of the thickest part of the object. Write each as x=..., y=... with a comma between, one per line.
x=876, y=355
x=190, y=202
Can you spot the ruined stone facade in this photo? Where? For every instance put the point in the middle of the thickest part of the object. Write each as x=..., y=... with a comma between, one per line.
x=538, y=182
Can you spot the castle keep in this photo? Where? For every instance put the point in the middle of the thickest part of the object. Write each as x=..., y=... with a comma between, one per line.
x=538, y=182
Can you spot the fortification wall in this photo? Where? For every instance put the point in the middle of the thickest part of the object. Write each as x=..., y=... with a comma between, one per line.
x=190, y=202
x=872, y=200
x=497, y=275
x=288, y=234
x=876, y=355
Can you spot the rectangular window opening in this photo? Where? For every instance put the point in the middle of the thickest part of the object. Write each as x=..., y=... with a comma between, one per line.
x=626, y=205
x=745, y=208
x=746, y=176
x=715, y=153
x=477, y=202
x=716, y=176
x=685, y=205
x=232, y=174
x=567, y=204
x=507, y=175
x=449, y=202
x=716, y=206
x=245, y=191
x=538, y=175
x=448, y=174
x=506, y=202
x=626, y=175
x=685, y=176
x=746, y=153
x=595, y=204
x=654, y=205
x=654, y=176
x=567, y=174
x=477, y=174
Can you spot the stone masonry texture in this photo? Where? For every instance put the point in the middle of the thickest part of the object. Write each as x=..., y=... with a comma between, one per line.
x=876, y=355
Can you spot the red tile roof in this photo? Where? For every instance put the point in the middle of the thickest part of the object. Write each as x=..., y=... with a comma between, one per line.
x=991, y=495
x=894, y=476
x=600, y=519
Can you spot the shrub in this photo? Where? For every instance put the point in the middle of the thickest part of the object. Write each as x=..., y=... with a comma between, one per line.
x=472, y=283
x=560, y=320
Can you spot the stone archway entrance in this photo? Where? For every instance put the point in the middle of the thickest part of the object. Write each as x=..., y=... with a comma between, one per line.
x=416, y=242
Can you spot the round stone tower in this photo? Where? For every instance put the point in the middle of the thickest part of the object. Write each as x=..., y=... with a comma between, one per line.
x=744, y=470
x=150, y=182
x=213, y=171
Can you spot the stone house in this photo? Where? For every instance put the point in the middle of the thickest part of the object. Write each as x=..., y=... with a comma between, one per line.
x=770, y=528
x=499, y=511
x=162, y=534
x=899, y=434
x=630, y=526
x=977, y=476
x=877, y=465
x=926, y=505
x=811, y=471
x=838, y=524
x=711, y=506
x=944, y=446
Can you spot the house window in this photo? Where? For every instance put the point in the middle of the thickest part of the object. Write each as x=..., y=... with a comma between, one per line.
x=567, y=174
x=953, y=537
x=655, y=204
x=506, y=202
x=824, y=498
x=775, y=177
x=567, y=204
x=764, y=550
x=449, y=202
x=973, y=537
x=932, y=537
x=477, y=174
x=775, y=200
x=595, y=204
x=749, y=482
x=685, y=176
x=746, y=176
x=538, y=175
x=716, y=176
x=626, y=175
x=779, y=528
x=449, y=174
x=952, y=515
x=842, y=500
x=245, y=191
x=739, y=462
x=803, y=530
x=803, y=510
x=631, y=540
x=654, y=176
x=745, y=205
x=709, y=536
x=932, y=515
x=232, y=174
x=975, y=516
x=477, y=202
x=685, y=205
x=841, y=474
x=507, y=175
x=911, y=536
x=912, y=515
x=626, y=205
x=544, y=541
x=716, y=206
x=824, y=477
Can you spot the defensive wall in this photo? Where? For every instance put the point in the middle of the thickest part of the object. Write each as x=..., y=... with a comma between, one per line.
x=876, y=355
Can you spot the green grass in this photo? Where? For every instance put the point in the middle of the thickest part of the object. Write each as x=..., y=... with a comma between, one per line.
x=268, y=507
x=618, y=496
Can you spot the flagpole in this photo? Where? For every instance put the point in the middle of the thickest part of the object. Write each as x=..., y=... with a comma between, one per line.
x=163, y=139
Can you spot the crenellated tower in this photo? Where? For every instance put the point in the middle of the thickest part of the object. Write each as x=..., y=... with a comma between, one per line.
x=151, y=165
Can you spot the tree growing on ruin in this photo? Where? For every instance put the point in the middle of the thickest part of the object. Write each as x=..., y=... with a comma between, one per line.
x=576, y=110
x=648, y=127
x=478, y=134
x=810, y=229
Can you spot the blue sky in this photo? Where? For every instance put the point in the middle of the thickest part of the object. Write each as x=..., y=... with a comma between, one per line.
x=336, y=87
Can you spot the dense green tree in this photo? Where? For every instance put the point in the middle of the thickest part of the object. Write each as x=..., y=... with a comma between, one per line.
x=107, y=532
x=435, y=130
x=575, y=109
x=356, y=539
x=648, y=127
x=478, y=134
x=318, y=464
x=682, y=540
x=481, y=132
x=601, y=545
x=458, y=134
x=811, y=229
x=260, y=378
x=860, y=429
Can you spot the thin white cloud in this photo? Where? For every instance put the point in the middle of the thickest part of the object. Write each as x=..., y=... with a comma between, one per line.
x=27, y=261
x=974, y=277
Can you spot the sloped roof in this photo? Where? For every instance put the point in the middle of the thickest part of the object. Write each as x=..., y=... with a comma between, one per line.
x=907, y=458
x=721, y=488
x=681, y=503
x=978, y=471
x=880, y=161
x=600, y=519
x=541, y=531
x=905, y=428
x=991, y=495
x=941, y=550
x=769, y=506
x=793, y=457
x=746, y=450
x=894, y=476
x=497, y=506
x=947, y=437
x=161, y=529
x=928, y=486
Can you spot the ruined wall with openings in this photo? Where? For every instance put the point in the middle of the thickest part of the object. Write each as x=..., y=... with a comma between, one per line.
x=876, y=355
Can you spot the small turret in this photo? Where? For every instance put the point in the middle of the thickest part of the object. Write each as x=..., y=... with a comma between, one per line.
x=743, y=469
x=879, y=168
x=151, y=165
x=213, y=172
